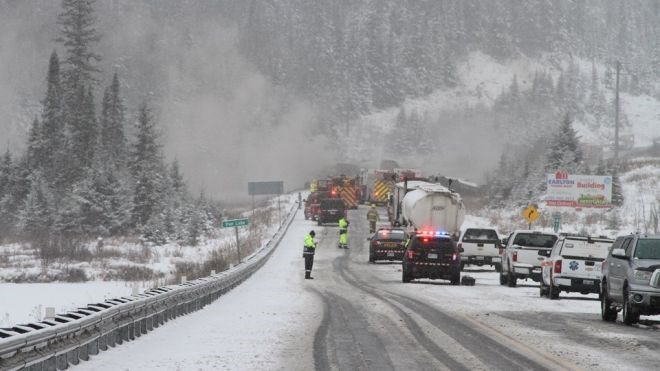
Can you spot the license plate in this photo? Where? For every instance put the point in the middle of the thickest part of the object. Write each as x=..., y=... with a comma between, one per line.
x=480, y=258
x=390, y=253
x=389, y=244
x=432, y=256
x=588, y=282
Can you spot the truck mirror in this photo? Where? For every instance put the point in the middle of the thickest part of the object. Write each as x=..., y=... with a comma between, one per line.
x=619, y=254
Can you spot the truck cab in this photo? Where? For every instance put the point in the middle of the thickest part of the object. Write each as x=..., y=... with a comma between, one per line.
x=481, y=247
x=521, y=259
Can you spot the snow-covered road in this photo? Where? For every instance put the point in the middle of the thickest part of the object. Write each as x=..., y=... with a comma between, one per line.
x=356, y=315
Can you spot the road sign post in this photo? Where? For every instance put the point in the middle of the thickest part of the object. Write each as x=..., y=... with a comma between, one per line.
x=556, y=221
x=235, y=223
x=530, y=214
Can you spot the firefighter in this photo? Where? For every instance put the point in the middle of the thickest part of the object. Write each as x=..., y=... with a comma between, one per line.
x=343, y=233
x=308, y=253
x=372, y=217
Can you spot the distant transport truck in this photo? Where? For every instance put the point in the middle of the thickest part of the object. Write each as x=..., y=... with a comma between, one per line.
x=423, y=205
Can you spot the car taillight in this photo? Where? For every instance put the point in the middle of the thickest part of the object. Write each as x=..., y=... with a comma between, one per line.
x=557, y=266
x=410, y=254
x=377, y=243
x=454, y=256
x=515, y=256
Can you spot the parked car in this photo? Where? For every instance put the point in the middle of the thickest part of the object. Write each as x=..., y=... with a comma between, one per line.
x=631, y=278
x=481, y=246
x=434, y=255
x=387, y=244
x=574, y=265
x=521, y=259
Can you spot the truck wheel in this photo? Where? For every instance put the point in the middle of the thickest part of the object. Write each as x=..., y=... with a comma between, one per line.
x=607, y=313
x=553, y=292
x=455, y=279
x=372, y=259
x=502, y=279
x=498, y=267
x=405, y=276
x=462, y=266
x=543, y=289
x=511, y=279
x=630, y=316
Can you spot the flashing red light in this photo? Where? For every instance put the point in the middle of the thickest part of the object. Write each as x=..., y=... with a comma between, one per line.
x=515, y=256
x=557, y=266
x=425, y=240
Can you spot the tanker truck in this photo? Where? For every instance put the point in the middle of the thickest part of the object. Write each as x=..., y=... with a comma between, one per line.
x=419, y=205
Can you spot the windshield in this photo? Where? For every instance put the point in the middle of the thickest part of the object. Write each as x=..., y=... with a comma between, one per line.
x=535, y=240
x=480, y=235
x=391, y=234
x=584, y=249
x=332, y=204
x=647, y=249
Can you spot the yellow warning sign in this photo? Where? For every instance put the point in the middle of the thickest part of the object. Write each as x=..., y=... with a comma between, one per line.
x=530, y=213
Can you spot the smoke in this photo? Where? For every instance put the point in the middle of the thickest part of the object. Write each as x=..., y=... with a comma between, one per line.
x=221, y=119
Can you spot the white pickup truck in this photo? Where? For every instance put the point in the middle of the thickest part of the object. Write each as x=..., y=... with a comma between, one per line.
x=521, y=259
x=574, y=265
x=481, y=246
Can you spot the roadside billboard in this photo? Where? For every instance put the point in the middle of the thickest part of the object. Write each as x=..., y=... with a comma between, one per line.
x=578, y=191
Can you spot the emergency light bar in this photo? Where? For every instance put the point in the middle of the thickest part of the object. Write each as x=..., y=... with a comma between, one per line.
x=432, y=233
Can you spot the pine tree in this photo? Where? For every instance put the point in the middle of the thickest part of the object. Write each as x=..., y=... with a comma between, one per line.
x=78, y=35
x=564, y=151
x=147, y=169
x=54, y=138
x=35, y=219
x=112, y=140
x=35, y=148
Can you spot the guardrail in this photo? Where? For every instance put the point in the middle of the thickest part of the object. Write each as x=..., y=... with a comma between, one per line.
x=56, y=343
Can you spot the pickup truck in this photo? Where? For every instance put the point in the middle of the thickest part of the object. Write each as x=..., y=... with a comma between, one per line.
x=631, y=279
x=574, y=265
x=481, y=247
x=521, y=259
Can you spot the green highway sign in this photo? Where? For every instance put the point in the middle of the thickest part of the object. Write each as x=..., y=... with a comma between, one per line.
x=234, y=223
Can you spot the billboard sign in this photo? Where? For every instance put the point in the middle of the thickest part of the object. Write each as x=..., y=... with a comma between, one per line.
x=265, y=188
x=578, y=191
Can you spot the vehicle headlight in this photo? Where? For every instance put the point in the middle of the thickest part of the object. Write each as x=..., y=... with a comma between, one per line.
x=642, y=275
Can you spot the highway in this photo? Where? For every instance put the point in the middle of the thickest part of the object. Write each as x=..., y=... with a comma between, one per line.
x=359, y=316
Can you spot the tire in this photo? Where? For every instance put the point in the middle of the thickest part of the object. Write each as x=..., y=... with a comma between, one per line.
x=543, y=289
x=553, y=292
x=607, y=313
x=511, y=280
x=502, y=279
x=498, y=267
x=405, y=276
x=630, y=316
x=372, y=259
x=462, y=266
x=455, y=279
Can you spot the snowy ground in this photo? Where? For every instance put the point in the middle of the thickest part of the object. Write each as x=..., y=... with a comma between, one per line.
x=265, y=323
x=24, y=302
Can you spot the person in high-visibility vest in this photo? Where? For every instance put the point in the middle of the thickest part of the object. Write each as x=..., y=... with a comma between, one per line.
x=308, y=253
x=372, y=217
x=343, y=233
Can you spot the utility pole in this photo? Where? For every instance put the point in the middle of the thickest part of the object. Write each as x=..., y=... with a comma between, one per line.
x=616, y=114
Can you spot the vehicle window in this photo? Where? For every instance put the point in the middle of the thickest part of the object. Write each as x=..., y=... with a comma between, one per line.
x=617, y=243
x=332, y=204
x=479, y=235
x=535, y=240
x=557, y=247
x=388, y=234
x=647, y=249
x=626, y=245
x=584, y=249
x=427, y=243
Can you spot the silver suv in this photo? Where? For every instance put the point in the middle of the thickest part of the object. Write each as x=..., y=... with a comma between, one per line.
x=631, y=278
